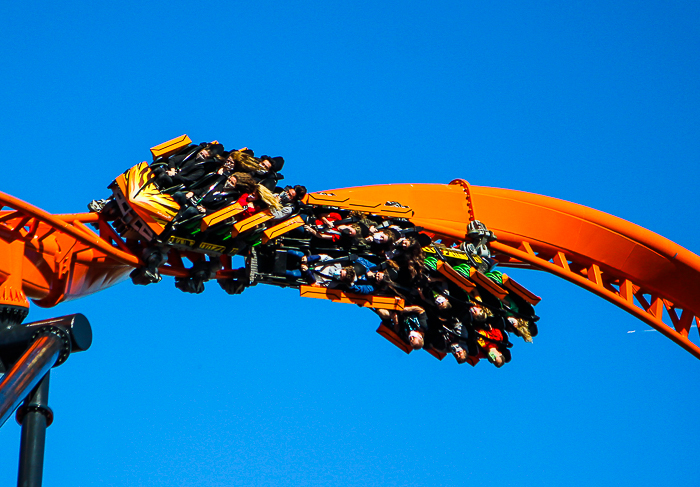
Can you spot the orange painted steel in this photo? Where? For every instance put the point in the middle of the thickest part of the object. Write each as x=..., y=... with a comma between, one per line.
x=52, y=258
x=282, y=228
x=638, y=270
x=170, y=147
x=391, y=335
x=55, y=258
x=364, y=300
x=458, y=279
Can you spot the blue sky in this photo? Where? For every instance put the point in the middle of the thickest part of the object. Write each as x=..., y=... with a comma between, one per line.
x=592, y=102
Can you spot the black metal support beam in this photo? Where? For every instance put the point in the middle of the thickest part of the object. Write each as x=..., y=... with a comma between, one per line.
x=27, y=353
x=34, y=416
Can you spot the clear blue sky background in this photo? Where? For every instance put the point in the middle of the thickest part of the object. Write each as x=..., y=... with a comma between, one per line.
x=593, y=102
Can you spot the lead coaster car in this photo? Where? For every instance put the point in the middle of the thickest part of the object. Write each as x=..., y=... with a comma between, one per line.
x=150, y=216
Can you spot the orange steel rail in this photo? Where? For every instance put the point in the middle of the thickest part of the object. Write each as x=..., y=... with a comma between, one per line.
x=52, y=258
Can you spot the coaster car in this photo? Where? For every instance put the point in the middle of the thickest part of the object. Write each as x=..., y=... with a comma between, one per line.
x=153, y=217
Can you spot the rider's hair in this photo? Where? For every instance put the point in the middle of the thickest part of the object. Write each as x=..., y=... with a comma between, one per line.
x=349, y=275
x=244, y=182
x=300, y=192
x=269, y=198
x=245, y=162
x=413, y=257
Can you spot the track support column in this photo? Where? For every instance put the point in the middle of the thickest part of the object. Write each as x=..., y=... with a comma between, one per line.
x=34, y=416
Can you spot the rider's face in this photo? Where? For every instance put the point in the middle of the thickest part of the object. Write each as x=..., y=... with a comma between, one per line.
x=415, y=339
x=380, y=237
x=460, y=354
x=478, y=313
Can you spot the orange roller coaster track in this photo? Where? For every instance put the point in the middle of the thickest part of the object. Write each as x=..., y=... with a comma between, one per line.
x=52, y=258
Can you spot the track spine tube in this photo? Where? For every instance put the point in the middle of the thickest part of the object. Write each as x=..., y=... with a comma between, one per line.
x=27, y=372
